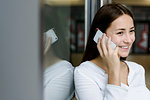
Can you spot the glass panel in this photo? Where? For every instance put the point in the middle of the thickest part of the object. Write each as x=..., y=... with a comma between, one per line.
x=63, y=35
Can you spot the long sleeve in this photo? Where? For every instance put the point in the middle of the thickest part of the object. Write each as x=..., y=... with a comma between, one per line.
x=88, y=89
x=58, y=82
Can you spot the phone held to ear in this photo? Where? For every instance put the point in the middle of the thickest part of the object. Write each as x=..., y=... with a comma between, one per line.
x=99, y=34
x=51, y=34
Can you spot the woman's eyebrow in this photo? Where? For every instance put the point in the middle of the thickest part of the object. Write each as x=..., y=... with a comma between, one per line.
x=124, y=28
x=120, y=29
x=132, y=27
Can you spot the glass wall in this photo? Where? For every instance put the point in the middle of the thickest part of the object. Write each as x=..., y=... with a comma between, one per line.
x=63, y=38
x=67, y=19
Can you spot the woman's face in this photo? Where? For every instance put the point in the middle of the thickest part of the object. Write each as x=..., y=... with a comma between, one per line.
x=122, y=33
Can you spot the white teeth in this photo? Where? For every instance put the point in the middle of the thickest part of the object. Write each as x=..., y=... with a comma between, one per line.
x=124, y=47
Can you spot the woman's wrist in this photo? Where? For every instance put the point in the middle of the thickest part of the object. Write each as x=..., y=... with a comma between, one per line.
x=114, y=77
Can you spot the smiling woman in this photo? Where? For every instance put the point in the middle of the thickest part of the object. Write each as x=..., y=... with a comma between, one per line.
x=122, y=34
x=102, y=70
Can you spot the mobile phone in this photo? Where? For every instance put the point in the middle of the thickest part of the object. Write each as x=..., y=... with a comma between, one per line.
x=53, y=38
x=99, y=34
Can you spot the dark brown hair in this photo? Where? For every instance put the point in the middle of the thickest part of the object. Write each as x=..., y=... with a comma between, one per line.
x=102, y=20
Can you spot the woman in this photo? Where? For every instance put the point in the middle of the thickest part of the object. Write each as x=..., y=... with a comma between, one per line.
x=104, y=74
x=58, y=73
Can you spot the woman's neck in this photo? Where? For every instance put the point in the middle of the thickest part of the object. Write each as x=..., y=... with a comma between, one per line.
x=100, y=63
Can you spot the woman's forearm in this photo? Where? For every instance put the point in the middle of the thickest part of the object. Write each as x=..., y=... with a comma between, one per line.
x=114, y=77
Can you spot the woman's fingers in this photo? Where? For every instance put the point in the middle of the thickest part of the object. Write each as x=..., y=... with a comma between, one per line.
x=103, y=44
x=99, y=47
x=47, y=46
x=116, y=50
x=109, y=45
x=104, y=47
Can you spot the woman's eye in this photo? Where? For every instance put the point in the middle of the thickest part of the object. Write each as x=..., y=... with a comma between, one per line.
x=120, y=33
x=132, y=31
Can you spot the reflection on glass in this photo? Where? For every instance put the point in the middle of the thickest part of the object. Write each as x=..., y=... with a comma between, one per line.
x=58, y=73
x=67, y=18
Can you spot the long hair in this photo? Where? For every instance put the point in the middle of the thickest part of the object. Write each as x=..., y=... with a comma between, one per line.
x=102, y=20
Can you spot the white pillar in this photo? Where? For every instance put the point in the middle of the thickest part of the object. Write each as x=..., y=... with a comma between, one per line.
x=20, y=74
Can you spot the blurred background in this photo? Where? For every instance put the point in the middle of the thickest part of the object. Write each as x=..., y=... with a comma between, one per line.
x=23, y=22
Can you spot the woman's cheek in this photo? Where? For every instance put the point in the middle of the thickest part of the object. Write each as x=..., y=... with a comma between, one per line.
x=115, y=40
x=133, y=38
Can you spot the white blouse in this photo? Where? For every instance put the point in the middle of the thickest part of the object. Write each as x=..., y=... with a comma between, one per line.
x=91, y=84
x=58, y=81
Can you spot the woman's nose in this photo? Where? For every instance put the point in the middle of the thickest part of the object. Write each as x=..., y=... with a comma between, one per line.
x=128, y=38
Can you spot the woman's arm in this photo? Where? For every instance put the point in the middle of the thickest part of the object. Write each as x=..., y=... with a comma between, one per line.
x=88, y=89
x=60, y=86
x=111, y=59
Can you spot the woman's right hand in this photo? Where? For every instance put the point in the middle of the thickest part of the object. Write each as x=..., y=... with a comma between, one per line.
x=110, y=58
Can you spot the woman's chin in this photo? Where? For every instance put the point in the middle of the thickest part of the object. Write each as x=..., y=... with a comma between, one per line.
x=124, y=55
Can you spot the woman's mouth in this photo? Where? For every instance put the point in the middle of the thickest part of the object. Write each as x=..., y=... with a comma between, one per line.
x=124, y=47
